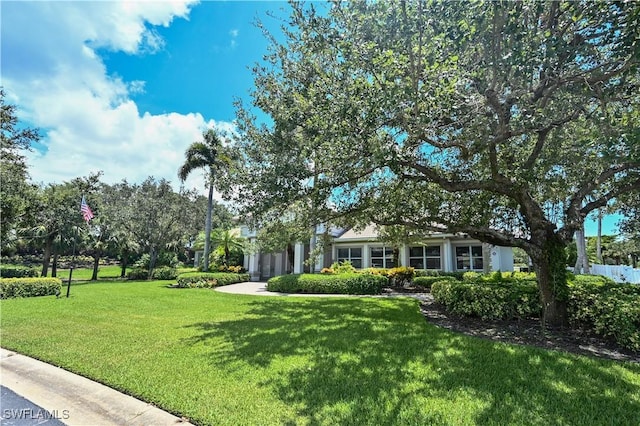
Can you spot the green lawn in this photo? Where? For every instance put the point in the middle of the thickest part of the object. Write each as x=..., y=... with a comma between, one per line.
x=226, y=359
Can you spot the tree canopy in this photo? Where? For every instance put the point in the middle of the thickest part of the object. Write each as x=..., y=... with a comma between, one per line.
x=509, y=122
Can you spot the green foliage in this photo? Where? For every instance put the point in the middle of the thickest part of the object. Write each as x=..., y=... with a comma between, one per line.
x=29, y=287
x=609, y=309
x=458, y=275
x=165, y=258
x=17, y=271
x=344, y=267
x=165, y=273
x=138, y=274
x=488, y=300
x=347, y=283
x=427, y=282
x=401, y=275
x=209, y=279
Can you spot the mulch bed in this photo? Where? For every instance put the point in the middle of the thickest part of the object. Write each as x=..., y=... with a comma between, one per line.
x=522, y=332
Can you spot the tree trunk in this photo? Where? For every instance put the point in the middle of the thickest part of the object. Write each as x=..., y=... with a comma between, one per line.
x=290, y=257
x=207, y=229
x=46, y=256
x=54, y=265
x=582, y=262
x=396, y=255
x=96, y=261
x=123, y=263
x=550, y=267
x=153, y=256
x=599, y=238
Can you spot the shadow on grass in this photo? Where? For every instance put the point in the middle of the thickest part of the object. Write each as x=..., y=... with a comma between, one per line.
x=372, y=361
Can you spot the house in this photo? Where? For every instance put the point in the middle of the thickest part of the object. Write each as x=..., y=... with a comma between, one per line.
x=364, y=249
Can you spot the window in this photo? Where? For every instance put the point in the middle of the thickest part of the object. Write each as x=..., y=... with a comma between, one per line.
x=352, y=254
x=469, y=258
x=382, y=257
x=425, y=257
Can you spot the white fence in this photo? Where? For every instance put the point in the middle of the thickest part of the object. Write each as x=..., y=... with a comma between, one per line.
x=618, y=273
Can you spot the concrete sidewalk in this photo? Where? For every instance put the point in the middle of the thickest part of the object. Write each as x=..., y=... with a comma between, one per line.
x=73, y=399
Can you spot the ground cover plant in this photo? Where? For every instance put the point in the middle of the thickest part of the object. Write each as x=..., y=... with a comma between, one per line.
x=344, y=283
x=209, y=279
x=229, y=359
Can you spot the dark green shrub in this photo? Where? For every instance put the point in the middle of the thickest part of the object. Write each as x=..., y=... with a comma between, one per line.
x=138, y=274
x=427, y=282
x=328, y=284
x=609, y=309
x=165, y=273
x=29, y=287
x=209, y=279
x=488, y=300
x=17, y=271
x=434, y=273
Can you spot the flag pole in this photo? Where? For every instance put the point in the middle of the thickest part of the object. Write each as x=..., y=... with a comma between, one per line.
x=73, y=260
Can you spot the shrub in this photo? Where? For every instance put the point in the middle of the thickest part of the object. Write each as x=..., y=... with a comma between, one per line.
x=609, y=309
x=435, y=273
x=17, y=271
x=376, y=271
x=427, y=282
x=327, y=271
x=231, y=268
x=401, y=276
x=328, y=284
x=344, y=267
x=138, y=274
x=209, y=279
x=29, y=287
x=165, y=273
x=488, y=300
x=470, y=276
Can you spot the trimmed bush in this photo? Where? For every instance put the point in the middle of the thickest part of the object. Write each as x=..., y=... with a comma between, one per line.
x=427, y=282
x=29, y=287
x=17, y=271
x=434, y=273
x=344, y=267
x=209, y=279
x=138, y=274
x=488, y=300
x=400, y=276
x=165, y=273
x=328, y=284
x=609, y=309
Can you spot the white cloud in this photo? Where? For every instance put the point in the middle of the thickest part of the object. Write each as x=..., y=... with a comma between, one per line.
x=62, y=86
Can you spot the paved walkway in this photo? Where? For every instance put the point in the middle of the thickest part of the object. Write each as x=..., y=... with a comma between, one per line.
x=71, y=399
x=260, y=289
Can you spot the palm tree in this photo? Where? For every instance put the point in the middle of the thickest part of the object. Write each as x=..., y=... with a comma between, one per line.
x=229, y=240
x=210, y=155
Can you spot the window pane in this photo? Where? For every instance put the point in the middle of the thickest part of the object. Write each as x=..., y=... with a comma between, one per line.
x=476, y=250
x=433, y=263
x=377, y=262
x=356, y=252
x=415, y=252
x=376, y=251
x=477, y=263
x=343, y=253
x=390, y=264
x=388, y=252
x=433, y=251
x=462, y=251
x=357, y=263
x=416, y=263
x=463, y=263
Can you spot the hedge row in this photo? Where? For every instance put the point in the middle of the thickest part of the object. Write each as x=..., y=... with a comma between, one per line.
x=209, y=279
x=488, y=300
x=596, y=303
x=29, y=287
x=160, y=273
x=609, y=309
x=17, y=271
x=328, y=284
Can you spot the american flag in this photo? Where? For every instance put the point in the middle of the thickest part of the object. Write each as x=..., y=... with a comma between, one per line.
x=87, y=214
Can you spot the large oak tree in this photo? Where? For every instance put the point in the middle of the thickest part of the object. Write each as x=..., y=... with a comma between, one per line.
x=507, y=121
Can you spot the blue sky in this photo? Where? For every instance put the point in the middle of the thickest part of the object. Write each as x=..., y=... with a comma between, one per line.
x=125, y=87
